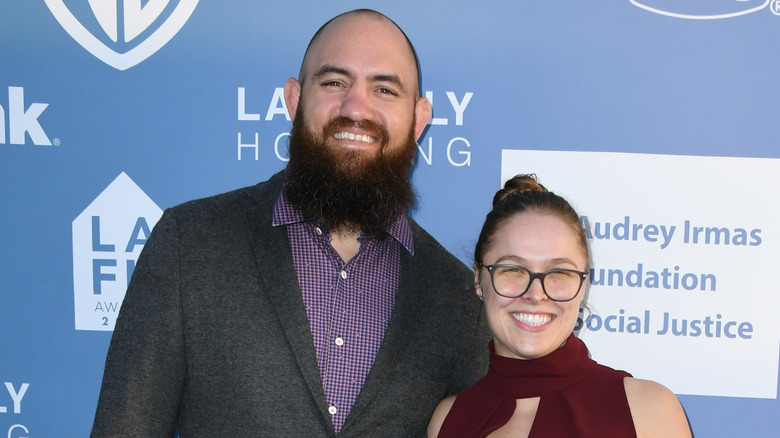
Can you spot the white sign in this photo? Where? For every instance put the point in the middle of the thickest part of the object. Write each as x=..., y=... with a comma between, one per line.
x=685, y=254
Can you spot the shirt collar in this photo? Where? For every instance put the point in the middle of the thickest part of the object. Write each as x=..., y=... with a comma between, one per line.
x=285, y=214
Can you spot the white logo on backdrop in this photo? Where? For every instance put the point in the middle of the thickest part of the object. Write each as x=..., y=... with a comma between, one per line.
x=456, y=151
x=15, y=396
x=23, y=121
x=108, y=236
x=684, y=265
x=702, y=10
x=137, y=19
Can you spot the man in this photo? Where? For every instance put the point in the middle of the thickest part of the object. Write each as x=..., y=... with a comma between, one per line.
x=310, y=304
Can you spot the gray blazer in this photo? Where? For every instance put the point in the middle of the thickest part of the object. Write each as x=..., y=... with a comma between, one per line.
x=213, y=339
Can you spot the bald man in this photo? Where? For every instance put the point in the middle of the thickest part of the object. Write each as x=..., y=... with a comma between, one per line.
x=310, y=304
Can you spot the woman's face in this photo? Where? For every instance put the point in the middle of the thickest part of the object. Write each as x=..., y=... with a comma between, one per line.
x=531, y=325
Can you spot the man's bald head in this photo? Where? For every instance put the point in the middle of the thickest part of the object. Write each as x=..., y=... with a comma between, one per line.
x=361, y=14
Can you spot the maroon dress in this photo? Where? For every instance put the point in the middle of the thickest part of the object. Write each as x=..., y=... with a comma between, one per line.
x=578, y=397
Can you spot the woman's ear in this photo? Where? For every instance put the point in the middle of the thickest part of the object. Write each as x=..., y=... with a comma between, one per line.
x=477, y=285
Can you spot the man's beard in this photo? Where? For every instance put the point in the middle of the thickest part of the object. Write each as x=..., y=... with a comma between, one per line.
x=348, y=190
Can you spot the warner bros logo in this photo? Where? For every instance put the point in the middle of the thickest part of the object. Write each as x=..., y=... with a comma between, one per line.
x=108, y=237
x=122, y=33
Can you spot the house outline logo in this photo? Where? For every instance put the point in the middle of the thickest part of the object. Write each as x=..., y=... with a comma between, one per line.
x=108, y=237
x=137, y=19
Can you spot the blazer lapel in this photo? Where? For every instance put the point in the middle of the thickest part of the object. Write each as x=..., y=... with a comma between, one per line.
x=396, y=338
x=277, y=271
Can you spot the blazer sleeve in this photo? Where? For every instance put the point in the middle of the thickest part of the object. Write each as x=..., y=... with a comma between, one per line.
x=145, y=366
x=472, y=353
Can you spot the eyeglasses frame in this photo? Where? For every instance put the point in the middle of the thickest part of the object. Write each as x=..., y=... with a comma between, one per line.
x=533, y=276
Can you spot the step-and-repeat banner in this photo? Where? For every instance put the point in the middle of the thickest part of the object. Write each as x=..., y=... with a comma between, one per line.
x=658, y=119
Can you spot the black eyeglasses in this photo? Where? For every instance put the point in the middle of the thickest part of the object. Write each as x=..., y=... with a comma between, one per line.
x=512, y=281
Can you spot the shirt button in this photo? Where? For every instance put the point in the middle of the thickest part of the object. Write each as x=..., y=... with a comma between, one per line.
x=339, y=342
x=344, y=274
x=318, y=230
x=332, y=410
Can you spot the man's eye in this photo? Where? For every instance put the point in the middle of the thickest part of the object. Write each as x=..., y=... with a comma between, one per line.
x=387, y=91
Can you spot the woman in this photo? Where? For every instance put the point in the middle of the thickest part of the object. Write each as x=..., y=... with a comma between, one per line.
x=541, y=381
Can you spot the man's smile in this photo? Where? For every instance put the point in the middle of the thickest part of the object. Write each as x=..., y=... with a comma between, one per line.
x=355, y=137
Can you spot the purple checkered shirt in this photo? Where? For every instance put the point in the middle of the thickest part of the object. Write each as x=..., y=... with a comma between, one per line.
x=348, y=303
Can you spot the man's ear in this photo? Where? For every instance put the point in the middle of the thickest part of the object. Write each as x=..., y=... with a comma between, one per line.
x=292, y=95
x=422, y=115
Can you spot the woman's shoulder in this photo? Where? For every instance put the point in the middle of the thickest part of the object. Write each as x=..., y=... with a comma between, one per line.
x=655, y=409
x=439, y=414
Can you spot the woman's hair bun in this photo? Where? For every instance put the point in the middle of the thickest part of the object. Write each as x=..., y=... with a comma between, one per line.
x=518, y=184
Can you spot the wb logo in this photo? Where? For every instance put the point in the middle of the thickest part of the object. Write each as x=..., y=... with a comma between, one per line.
x=122, y=33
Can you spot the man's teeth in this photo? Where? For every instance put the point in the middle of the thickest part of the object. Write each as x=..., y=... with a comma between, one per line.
x=353, y=137
x=532, y=319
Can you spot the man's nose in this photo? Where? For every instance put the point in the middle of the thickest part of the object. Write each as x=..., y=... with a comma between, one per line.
x=357, y=104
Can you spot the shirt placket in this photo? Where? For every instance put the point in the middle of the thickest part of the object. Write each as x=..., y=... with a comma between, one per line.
x=339, y=380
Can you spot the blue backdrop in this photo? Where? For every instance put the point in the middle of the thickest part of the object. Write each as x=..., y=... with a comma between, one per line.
x=175, y=100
